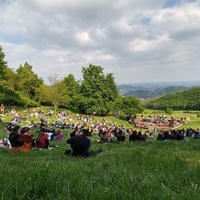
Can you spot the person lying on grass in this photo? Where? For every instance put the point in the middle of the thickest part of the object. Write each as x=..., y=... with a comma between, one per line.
x=80, y=145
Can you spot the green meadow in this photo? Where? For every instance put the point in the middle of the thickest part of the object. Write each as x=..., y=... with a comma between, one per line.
x=137, y=170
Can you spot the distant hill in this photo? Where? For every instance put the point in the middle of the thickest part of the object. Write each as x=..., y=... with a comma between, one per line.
x=149, y=94
x=185, y=100
x=123, y=89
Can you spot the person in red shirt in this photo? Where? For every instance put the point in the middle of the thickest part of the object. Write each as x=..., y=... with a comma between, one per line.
x=25, y=136
x=42, y=141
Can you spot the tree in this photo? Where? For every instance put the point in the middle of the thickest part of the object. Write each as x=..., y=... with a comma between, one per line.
x=98, y=91
x=55, y=93
x=58, y=94
x=169, y=111
x=43, y=94
x=127, y=106
x=11, y=78
x=3, y=65
x=73, y=92
x=6, y=94
x=28, y=81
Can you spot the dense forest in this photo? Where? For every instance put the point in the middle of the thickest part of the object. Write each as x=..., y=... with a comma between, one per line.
x=96, y=93
x=184, y=100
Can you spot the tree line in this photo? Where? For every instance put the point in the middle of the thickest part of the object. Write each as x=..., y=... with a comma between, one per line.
x=96, y=93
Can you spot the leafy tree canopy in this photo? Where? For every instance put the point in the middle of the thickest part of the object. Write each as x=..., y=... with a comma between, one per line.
x=98, y=91
x=3, y=65
x=54, y=94
x=73, y=92
x=28, y=81
x=127, y=106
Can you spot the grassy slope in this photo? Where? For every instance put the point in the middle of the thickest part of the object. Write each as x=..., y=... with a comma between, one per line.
x=151, y=170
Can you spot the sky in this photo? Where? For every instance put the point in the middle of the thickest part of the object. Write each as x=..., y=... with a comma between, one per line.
x=136, y=41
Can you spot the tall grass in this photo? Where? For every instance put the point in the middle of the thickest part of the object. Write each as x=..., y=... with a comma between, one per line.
x=149, y=170
x=129, y=170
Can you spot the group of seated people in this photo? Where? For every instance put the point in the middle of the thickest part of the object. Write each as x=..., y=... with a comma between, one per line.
x=190, y=132
x=170, y=135
x=20, y=139
x=80, y=143
x=119, y=134
x=178, y=134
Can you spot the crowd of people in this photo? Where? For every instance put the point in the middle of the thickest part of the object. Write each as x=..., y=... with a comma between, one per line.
x=21, y=139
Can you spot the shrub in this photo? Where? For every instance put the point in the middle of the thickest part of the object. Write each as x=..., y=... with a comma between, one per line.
x=169, y=111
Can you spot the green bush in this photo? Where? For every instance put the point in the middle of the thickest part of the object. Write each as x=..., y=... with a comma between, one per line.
x=10, y=97
x=169, y=111
x=13, y=98
x=29, y=103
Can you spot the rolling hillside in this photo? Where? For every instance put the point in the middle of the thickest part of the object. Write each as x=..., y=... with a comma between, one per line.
x=184, y=100
x=149, y=94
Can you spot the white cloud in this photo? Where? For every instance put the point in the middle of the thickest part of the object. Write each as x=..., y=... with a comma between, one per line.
x=135, y=40
x=83, y=37
x=140, y=45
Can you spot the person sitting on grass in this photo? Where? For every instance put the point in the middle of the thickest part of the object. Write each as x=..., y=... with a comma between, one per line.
x=167, y=135
x=80, y=145
x=42, y=141
x=25, y=137
x=133, y=136
x=25, y=141
x=103, y=136
x=59, y=135
x=121, y=136
x=197, y=135
x=141, y=137
x=9, y=127
x=13, y=136
x=180, y=135
x=160, y=136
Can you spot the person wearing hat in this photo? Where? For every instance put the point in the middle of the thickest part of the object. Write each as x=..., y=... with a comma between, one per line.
x=80, y=144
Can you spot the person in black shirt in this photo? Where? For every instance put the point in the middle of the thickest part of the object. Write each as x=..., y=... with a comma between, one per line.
x=80, y=145
x=13, y=136
x=160, y=136
x=133, y=136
